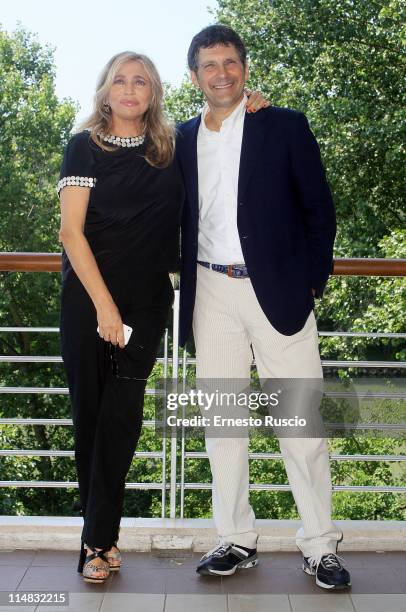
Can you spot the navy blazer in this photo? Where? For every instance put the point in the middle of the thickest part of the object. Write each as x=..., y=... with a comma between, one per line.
x=285, y=216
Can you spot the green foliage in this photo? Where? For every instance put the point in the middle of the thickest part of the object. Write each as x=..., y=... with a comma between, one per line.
x=367, y=305
x=183, y=103
x=340, y=62
x=35, y=126
x=369, y=506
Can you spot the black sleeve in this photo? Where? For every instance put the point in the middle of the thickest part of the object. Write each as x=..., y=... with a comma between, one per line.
x=78, y=166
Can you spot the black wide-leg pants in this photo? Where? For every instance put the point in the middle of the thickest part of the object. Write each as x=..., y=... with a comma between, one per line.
x=106, y=386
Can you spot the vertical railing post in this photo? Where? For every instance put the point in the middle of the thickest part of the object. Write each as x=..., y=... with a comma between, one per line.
x=183, y=441
x=175, y=367
x=164, y=429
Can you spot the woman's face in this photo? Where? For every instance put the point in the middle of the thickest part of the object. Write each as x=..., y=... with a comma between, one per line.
x=131, y=92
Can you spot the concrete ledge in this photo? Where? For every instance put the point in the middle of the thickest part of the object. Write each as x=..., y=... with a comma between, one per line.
x=183, y=536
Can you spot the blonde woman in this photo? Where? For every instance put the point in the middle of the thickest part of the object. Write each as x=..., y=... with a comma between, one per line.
x=121, y=196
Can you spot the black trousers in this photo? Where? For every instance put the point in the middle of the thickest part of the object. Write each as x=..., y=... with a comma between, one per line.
x=106, y=386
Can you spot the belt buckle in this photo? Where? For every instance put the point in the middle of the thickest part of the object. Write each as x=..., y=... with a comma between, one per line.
x=230, y=270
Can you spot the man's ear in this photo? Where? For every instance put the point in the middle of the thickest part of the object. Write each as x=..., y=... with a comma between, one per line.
x=193, y=76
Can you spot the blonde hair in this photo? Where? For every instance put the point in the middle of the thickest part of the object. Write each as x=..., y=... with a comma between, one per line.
x=160, y=133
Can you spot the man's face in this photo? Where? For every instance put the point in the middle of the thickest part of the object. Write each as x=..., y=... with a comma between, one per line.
x=220, y=75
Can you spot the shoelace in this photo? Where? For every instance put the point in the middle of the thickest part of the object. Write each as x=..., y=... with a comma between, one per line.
x=330, y=561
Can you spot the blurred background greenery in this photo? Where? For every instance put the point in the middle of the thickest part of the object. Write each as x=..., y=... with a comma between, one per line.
x=340, y=62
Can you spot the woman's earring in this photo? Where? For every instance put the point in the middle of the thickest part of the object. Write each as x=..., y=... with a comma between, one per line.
x=106, y=107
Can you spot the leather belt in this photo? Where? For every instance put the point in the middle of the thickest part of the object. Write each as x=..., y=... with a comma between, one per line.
x=232, y=270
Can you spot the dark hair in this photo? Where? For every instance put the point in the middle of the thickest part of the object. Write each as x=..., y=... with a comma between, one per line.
x=215, y=35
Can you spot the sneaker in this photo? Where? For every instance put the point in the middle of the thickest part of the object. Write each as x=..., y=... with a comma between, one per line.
x=225, y=559
x=329, y=571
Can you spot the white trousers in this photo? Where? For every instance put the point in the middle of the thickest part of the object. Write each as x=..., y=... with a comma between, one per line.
x=227, y=321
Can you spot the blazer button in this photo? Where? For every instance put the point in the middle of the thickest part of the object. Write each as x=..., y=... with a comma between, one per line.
x=241, y=203
x=245, y=237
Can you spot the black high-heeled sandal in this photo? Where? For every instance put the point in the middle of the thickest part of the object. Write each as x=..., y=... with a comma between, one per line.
x=114, y=557
x=89, y=569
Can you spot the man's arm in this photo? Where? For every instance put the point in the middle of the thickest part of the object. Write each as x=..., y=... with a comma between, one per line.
x=316, y=201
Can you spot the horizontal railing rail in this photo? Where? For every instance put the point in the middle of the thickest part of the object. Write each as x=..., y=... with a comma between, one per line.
x=58, y=390
x=285, y=487
x=67, y=453
x=51, y=262
x=195, y=486
x=321, y=333
x=333, y=456
x=62, y=422
x=332, y=363
x=65, y=484
x=160, y=392
x=197, y=455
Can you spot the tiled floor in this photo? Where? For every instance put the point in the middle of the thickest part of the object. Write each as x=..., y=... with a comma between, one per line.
x=148, y=583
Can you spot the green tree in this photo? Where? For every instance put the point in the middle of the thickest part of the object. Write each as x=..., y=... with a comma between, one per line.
x=313, y=56
x=366, y=305
x=35, y=125
x=342, y=63
x=183, y=103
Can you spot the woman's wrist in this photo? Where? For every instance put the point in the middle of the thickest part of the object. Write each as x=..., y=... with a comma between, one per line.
x=103, y=302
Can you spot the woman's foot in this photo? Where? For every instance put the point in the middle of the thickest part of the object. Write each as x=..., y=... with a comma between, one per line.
x=113, y=556
x=96, y=567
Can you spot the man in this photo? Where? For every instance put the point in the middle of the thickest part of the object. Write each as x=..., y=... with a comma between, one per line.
x=257, y=237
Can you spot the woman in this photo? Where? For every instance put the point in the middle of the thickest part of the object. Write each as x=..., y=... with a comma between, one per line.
x=121, y=195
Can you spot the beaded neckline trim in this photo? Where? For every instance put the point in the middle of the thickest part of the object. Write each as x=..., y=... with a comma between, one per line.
x=130, y=141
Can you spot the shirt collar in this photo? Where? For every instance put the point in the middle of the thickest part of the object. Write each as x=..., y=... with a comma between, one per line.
x=230, y=123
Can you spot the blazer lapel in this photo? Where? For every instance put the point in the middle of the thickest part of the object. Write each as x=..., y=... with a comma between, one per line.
x=251, y=148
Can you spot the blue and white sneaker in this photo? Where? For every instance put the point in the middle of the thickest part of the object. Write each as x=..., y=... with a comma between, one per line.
x=329, y=571
x=225, y=559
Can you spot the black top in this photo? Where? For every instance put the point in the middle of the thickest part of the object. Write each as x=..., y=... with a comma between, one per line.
x=133, y=216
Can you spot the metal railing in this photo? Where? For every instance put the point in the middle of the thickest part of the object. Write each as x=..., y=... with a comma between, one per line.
x=43, y=262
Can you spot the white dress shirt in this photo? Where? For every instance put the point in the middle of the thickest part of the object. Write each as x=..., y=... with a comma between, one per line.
x=218, y=155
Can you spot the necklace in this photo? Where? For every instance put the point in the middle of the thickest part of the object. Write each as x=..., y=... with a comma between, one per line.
x=130, y=141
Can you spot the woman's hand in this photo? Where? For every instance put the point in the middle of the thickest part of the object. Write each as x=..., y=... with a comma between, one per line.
x=110, y=324
x=255, y=101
